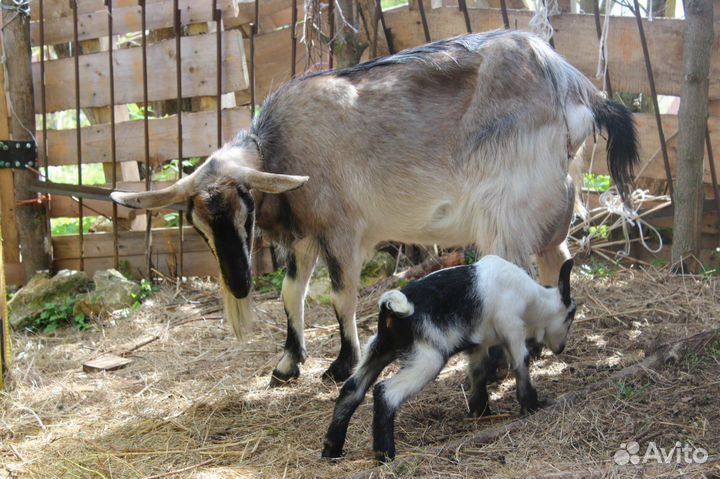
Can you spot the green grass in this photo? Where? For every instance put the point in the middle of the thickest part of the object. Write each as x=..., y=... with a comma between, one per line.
x=597, y=269
x=93, y=174
x=54, y=316
x=392, y=3
x=270, y=282
x=599, y=231
x=630, y=391
x=70, y=226
x=598, y=183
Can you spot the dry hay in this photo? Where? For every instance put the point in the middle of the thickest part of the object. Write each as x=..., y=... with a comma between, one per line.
x=195, y=403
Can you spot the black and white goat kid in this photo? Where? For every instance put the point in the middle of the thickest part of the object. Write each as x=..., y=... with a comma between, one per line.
x=466, y=308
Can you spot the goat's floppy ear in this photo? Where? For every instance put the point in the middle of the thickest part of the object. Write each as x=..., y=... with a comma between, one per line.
x=564, y=282
x=272, y=182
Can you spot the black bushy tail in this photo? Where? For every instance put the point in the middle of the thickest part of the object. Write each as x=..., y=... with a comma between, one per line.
x=622, y=141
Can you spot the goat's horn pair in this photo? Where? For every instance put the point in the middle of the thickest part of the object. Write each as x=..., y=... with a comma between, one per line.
x=185, y=187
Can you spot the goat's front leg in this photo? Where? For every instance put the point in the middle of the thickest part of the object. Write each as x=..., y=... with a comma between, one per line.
x=421, y=367
x=301, y=263
x=480, y=367
x=520, y=358
x=344, y=263
x=378, y=354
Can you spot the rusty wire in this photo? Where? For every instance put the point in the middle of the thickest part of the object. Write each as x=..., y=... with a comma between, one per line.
x=653, y=95
x=78, y=131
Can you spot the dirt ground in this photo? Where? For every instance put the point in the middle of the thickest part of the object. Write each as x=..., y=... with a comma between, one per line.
x=196, y=402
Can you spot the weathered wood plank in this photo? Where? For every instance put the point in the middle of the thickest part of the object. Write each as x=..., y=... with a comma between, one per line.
x=199, y=138
x=194, y=264
x=576, y=41
x=198, y=73
x=272, y=63
x=126, y=19
x=62, y=8
x=650, y=145
x=106, y=362
x=100, y=245
x=268, y=8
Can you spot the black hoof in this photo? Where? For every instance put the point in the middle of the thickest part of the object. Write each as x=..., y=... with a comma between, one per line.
x=338, y=371
x=481, y=413
x=385, y=456
x=530, y=408
x=279, y=378
x=331, y=452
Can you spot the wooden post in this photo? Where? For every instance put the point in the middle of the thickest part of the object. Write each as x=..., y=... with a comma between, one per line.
x=697, y=47
x=31, y=218
x=11, y=252
x=347, y=48
x=4, y=321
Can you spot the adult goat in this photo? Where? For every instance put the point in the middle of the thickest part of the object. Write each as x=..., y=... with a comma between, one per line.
x=460, y=141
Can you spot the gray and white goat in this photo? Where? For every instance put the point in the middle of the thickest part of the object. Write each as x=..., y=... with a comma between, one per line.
x=461, y=141
x=466, y=308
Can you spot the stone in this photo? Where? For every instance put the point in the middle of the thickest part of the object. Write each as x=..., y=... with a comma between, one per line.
x=41, y=290
x=112, y=292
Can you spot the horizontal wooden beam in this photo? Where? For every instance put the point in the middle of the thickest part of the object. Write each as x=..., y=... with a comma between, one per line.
x=575, y=39
x=198, y=260
x=62, y=8
x=199, y=73
x=126, y=19
x=100, y=245
x=195, y=263
x=199, y=138
x=246, y=10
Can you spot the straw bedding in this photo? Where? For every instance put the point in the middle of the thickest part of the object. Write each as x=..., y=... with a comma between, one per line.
x=195, y=403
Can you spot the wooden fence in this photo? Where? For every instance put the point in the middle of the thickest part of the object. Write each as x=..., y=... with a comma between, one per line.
x=203, y=105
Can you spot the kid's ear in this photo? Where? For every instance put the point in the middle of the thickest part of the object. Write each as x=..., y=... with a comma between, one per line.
x=564, y=281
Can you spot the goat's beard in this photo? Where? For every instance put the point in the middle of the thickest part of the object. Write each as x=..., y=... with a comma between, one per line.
x=238, y=311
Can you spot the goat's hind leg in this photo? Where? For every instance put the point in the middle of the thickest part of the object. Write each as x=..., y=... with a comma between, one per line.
x=422, y=366
x=377, y=356
x=301, y=263
x=344, y=262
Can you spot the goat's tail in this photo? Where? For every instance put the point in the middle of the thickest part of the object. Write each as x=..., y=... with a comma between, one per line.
x=396, y=302
x=622, y=141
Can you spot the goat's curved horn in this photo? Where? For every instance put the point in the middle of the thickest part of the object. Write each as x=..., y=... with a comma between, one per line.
x=149, y=200
x=271, y=182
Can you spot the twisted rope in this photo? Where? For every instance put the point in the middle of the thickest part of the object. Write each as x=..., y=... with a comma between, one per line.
x=540, y=22
x=18, y=7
